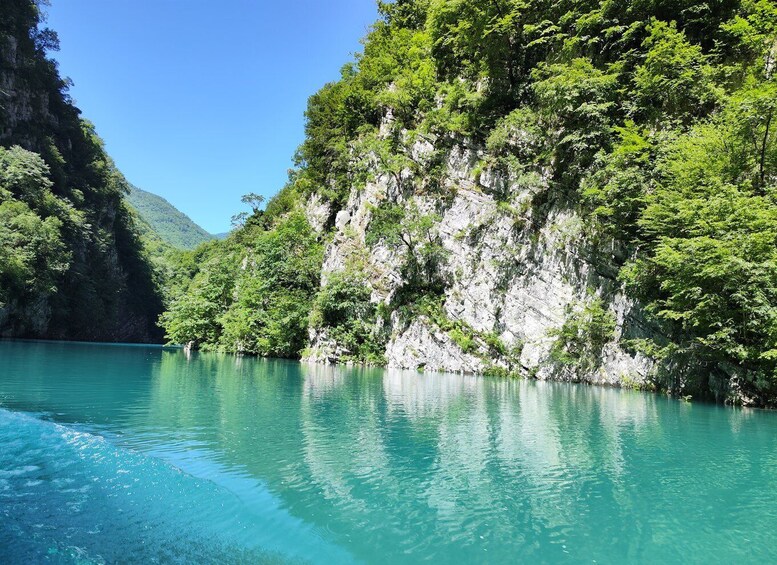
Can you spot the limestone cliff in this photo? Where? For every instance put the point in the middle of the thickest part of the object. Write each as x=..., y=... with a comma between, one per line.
x=566, y=191
x=517, y=266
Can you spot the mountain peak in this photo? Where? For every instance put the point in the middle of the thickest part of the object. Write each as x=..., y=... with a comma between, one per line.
x=173, y=226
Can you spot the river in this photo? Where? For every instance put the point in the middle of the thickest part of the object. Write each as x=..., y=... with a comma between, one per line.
x=133, y=454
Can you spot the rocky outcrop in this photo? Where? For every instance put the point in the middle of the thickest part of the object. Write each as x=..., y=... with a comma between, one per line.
x=423, y=345
x=317, y=212
x=517, y=266
x=23, y=107
x=106, y=295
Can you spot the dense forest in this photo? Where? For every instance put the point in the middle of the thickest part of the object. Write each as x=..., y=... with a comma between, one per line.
x=72, y=264
x=654, y=120
x=623, y=154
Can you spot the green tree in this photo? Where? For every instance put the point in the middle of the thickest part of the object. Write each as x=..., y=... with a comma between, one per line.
x=709, y=257
x=585, y=332
x=675, y=80
x=576, y=99
x=344, y=309
x=251, y=293
x=413, y=233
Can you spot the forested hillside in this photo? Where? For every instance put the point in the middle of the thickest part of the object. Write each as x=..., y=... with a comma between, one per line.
x=72, y=265
x=577, y=190
x=173, y=226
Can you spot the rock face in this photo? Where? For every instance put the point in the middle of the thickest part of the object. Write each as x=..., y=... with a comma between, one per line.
x=108, y=292
x=423, y=345
x=20, y=104
x=517, y=267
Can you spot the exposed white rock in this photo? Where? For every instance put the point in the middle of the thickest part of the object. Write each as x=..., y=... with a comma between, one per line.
x=317, y=212
x=514, y=273
x=323, y=349
x=422, y=345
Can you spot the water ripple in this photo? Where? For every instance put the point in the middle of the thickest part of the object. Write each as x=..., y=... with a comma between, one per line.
x=213, y=458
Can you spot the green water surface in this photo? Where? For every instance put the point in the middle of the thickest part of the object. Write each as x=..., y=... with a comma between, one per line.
x=138, y=454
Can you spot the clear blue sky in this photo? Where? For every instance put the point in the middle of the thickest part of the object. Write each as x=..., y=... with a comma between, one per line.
x=202, y=101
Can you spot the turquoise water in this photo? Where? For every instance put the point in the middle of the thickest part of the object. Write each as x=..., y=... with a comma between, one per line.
x=135, y=454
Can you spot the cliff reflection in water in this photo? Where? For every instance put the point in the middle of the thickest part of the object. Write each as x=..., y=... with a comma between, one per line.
x=492, y=453
x=412, y=459
x=395, y=466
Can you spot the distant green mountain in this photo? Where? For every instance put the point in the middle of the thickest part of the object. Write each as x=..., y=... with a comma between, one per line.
x=170, y=224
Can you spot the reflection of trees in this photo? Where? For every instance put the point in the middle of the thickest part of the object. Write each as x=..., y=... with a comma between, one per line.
x=461, y=462
x=79, y=382
x=490, y=443
x=237, y=408
x=406, y=458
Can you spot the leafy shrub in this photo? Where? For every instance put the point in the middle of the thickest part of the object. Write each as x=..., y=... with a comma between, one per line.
x=252, y=293
x=580, y=340
x=343, y=308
